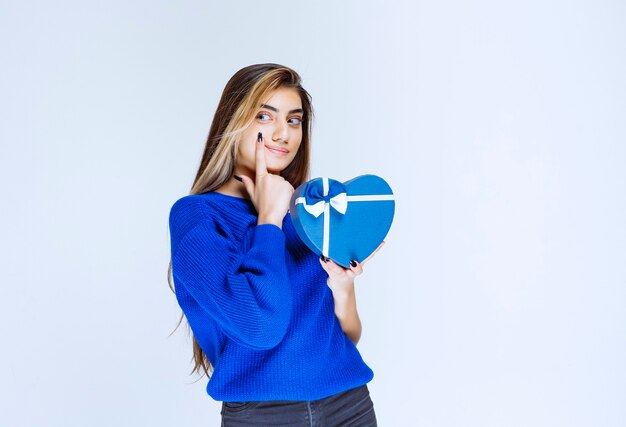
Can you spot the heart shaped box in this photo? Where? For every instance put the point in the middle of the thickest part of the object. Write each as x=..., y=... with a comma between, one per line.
x=343, y=221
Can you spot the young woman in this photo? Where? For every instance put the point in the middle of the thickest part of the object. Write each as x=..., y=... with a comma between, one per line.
x=276, y=325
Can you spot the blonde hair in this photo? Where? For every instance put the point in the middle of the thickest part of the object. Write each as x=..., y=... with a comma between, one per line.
x=240, y=100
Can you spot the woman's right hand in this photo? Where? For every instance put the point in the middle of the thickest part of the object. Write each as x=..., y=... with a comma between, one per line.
x=270, y=193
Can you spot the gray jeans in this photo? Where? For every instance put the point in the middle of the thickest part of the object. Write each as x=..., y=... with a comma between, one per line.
x=352, y=407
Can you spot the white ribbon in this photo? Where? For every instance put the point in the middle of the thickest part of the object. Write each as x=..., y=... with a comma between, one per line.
x=339, y=203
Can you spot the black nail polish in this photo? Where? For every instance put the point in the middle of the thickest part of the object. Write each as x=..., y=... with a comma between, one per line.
x=353, y=263
x=238, y=178
x=259, y=137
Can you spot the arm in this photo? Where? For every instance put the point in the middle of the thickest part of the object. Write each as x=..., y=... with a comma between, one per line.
x=346, y=312
x=246, y=291
x=341, y=283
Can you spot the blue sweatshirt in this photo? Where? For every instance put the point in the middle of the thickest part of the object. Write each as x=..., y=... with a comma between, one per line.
x=258, y=304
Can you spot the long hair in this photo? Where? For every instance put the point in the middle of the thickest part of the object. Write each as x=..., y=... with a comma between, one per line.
x=242, y=96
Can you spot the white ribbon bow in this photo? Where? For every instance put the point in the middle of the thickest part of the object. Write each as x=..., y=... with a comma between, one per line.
x=338, y=202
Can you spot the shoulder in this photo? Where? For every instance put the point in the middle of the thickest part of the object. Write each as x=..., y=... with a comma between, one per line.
x=186, y=213
x=192, y=203
x=190, y=206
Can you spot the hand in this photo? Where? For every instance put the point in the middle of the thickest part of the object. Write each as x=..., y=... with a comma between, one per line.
x=341, y=280
x=269, y=193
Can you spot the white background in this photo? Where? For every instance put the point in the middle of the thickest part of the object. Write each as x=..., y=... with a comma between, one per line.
x=499, y=298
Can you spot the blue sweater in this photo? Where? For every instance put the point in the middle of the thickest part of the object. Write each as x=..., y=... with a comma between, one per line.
x=258, y=304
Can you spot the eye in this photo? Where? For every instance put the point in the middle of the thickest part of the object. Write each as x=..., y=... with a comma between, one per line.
x=258, y=116
x=299, y=120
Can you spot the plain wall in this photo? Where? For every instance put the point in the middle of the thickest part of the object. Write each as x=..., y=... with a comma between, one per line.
x=499, y=297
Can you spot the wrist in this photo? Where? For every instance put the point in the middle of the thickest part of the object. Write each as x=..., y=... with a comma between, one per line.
x=342, y=293
x=265, y=219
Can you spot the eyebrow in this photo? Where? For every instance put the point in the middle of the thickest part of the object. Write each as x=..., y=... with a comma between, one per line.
x=269, y=107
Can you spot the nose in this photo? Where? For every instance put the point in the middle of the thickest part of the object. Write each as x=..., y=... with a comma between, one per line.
x=280, y=132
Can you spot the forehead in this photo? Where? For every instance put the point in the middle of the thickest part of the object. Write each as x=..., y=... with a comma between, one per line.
x=283, y=100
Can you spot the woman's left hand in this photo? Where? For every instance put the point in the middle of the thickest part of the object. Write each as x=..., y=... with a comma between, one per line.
x=341, y=280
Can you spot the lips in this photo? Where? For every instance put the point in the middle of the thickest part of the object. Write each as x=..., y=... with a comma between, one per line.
x=278, y=150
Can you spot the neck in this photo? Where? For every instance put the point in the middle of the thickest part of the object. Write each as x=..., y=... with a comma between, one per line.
x=233, y=187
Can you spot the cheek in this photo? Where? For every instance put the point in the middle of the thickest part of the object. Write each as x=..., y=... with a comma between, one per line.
x=246, y=153
x=295, y=152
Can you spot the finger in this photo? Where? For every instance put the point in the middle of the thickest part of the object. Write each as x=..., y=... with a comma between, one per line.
x=356, y=267
x=373, y=253
x=249, y=184
x=325, y=265
x=261, y=168
x=334, y=266
x=331, y=266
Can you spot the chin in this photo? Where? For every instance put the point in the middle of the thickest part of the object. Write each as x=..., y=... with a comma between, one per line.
x=275, y=170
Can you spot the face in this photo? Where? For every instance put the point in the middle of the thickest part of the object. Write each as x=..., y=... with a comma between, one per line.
x=279, y=119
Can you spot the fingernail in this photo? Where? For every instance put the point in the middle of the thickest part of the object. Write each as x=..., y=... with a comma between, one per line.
x=259, y=137
x=323, y=258
x=238, y=178
x=353, y=263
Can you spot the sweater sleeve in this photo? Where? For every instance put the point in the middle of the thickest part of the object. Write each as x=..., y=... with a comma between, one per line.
x=245, y=288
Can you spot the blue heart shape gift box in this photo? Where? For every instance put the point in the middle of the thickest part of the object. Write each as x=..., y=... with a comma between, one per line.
x=343, y=221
